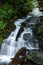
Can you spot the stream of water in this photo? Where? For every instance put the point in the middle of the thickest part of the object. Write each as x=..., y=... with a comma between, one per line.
x=26, y=39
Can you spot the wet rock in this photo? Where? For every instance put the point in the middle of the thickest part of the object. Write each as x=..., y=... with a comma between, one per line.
x=36, y=57
x=41, y=45
x=41, y=27
x=41, y=19
x=19, y=57
x=40, y=31
x=27, y=36
x=27, y=62
x=32, y=20
x=20, y=31
x=40, y=5
x=41, y=8
x=0, y=45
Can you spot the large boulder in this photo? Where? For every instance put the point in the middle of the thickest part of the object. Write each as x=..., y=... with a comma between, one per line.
x=36, y=57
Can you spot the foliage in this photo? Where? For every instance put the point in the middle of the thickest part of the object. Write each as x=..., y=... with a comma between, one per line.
x=13, y=8
x=7, y=12
x=2, y=25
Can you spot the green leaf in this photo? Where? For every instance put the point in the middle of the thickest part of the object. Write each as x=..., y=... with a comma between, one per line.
x=2, y=25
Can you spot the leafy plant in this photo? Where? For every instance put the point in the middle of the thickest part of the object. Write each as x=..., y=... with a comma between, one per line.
x=7, y=14
x=2, y=25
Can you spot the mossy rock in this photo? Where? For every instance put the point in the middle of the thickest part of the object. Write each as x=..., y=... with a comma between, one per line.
x=36, y=57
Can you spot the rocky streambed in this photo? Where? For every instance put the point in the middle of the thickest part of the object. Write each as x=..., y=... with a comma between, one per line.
x=28, y=34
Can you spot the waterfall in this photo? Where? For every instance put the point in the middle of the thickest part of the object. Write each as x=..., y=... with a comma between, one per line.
x=10, y=46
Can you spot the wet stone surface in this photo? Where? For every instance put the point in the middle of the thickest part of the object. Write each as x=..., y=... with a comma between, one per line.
x=27, y=36
x=36, y=57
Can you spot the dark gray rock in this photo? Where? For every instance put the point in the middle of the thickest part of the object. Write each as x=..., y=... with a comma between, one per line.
x=32, y=21
x=36, y=57
x=27, y=36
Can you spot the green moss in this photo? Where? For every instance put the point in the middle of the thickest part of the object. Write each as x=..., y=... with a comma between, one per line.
x=2, y=25
x=36, y=57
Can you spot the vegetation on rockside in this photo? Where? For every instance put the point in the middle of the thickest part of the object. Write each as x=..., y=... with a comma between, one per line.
x=5, y=29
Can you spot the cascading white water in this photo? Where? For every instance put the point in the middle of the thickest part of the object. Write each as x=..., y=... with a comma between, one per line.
x=36, y=12
x=10, y=46
x=9, y=43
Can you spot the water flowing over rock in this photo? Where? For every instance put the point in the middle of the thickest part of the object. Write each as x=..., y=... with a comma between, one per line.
x=10, y=46
x=36, y=12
